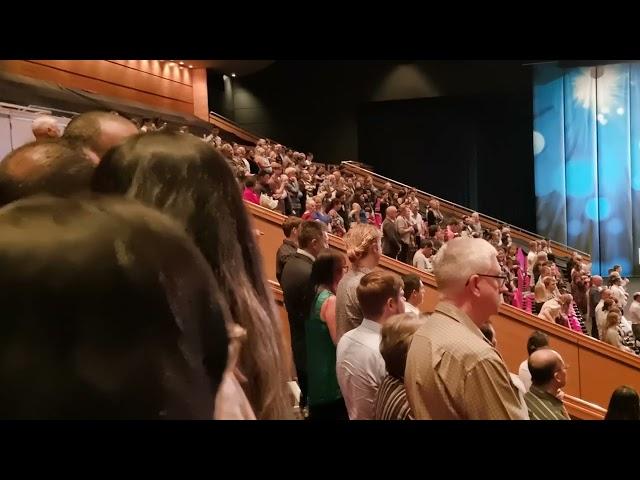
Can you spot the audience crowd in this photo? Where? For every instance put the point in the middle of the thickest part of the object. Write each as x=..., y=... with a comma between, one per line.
x=132, y=287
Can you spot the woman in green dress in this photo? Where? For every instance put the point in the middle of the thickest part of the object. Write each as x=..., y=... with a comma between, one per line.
x=324, y=397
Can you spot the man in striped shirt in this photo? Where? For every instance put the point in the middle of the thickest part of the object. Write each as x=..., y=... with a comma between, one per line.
x=396, y=336
x=548, y=376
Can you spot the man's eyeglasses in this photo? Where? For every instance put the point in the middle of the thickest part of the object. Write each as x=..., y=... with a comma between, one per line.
x=502, y=278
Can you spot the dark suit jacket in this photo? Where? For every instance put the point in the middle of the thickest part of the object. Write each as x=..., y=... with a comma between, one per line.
x=594, y=297
x=390, y=238
x=298, y=295
x=345, y=217
x=285, y=252
x=432, y=219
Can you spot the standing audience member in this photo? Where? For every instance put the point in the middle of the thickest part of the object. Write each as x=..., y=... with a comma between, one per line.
x=48, y=166
x=290, y=228
x=623, y=405
x=396, y=335
x=390, y=238
x=324, y=397
x=109, y=312
x=97, y=132
x=449, y=353
x=413, y=293
x=422, y=259
x=595, y=292
x=536, y=341
x=186, y=178
x=548, y=377
x=360, y=366
x=405, y=233
x=364, y=251
x=298, y=294
x=45, y=127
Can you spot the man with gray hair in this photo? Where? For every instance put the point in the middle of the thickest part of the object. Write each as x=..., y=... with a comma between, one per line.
x=390, y=238
x=45, y=127
x=453, y=372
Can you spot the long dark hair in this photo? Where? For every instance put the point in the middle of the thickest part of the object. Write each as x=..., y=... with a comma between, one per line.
x=108, y=311
x=323, y=271
x=325, y=267
x=188, y=179
x=624, y=405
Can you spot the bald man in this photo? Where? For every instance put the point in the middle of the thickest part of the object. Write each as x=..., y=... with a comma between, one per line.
x=45, y=127
x=97, y=132
x=548, y=376
x=50, y=166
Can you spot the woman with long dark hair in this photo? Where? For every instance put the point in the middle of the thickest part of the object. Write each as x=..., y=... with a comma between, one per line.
x=325, y=400
x=187, y=179
x=623, y=405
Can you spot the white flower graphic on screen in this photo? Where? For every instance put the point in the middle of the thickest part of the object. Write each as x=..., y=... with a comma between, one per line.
x=601, y=87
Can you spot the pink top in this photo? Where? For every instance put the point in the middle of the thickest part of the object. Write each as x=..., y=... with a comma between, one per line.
x=574, y=323
x=250, y=196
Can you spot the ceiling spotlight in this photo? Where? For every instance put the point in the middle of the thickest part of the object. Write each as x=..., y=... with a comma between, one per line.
x=181, y=63
x=190, y=66
x=233, y=75
x=172, y=60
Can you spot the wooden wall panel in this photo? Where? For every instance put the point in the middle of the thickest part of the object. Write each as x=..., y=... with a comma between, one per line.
x=159, y=68
x=200, y=94
x=123, y=76
x=603, y=369
x=286, y=332
x=146, y=83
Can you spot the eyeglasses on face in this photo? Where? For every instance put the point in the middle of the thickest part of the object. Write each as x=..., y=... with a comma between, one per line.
x=502, y=278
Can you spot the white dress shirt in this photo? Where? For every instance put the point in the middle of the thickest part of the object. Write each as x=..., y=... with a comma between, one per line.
x=408, y=308
x=626, y=327
x=531, y=261
x=421, y=262
x=360, y=369
x=601, y=317
x=525, y=375
x=306, y=254
x=620, y=295
x=417, y=220
x=634, y=312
